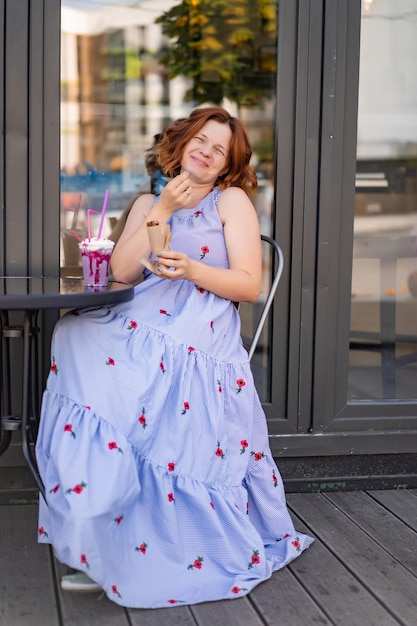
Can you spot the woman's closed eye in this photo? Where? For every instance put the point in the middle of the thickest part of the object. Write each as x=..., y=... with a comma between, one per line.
x=217, y=149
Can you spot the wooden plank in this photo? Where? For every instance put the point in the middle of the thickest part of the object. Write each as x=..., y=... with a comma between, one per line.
x=338, y=592
x=284, y=600
x=401, y=502
x=392, y=585
x=390, y=532
x=27, y=589
x=94, y=609
x=239, y=612
x=172, y=616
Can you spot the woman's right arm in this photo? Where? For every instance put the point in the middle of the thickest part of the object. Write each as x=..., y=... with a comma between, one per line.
x=133, y=245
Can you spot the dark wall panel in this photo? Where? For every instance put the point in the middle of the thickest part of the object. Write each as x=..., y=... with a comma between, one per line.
x=30, y=139
x=2, y=215
x=16, y=135
x=29, y=152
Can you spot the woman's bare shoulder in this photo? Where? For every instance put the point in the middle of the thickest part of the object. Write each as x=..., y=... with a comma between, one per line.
x=234, y=200
x=143, y=202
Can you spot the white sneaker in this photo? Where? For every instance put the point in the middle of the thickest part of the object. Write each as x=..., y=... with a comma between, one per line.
x=79, y=582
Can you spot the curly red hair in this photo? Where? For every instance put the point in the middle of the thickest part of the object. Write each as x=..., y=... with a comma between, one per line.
x=238, y=171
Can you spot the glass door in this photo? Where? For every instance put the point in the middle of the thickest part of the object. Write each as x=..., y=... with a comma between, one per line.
x=366, y=315
x=128, y=69
x=383, y=326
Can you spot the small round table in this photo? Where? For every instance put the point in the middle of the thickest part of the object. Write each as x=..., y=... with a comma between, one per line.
x=31, y=294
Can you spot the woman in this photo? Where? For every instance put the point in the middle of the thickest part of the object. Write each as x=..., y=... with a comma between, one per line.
x=153, y=443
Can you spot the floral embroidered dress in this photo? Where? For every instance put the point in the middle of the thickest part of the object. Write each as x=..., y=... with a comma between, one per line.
x=153, y=444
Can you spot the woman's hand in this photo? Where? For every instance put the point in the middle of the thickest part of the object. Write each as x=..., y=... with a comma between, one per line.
x=175, y=194
x=174, y=265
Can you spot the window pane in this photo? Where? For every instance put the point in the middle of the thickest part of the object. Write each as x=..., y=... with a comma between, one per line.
x=383, y=355
x=131, y=68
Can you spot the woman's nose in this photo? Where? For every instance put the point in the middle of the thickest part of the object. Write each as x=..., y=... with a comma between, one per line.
x=206, y=150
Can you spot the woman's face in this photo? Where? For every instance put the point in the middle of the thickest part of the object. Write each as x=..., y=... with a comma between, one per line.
x=206, y=155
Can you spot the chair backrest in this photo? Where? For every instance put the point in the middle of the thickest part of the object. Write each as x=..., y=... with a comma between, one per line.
x=278, y=265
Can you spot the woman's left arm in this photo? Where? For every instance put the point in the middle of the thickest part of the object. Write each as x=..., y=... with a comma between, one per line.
x=240, y=283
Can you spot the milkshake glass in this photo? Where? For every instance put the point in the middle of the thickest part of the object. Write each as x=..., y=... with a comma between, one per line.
x=95, y=259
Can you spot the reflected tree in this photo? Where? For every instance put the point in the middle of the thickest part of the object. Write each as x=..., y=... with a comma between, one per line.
x=227, y=48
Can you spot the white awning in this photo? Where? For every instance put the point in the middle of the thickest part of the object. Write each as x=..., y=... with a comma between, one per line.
x=91, y=17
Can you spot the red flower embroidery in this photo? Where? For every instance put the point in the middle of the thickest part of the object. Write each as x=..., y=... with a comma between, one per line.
x=142, y=548
x=297, y=545
x=257, y=455
x=200, y=289
x=219, y=451
x=54, y=489
x=161, y=366
x=244, y=445
x=78, y=488
x=83, y=560
x=275, y=479
x=42, y=532
x=117, y=520
x=142, y=419
x=186, y=408
x=237, y=589
x=132, y=325
x=68, y=429
x=255, y=559
x=219, y=386
x=198, y=563
x=212, y=326
x=163, y=312
x=191, y=349
x=171, y=497
x=198, y=213
x=115, y=591
x=212, y=505
x=240, y=383
x=176, y=601
x=204, y=250
x=171, y=467
x=54, y=368
x=110, y=361
x=113, y=446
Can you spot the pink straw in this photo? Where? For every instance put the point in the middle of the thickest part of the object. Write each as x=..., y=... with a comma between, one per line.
x=89, y=221
x=76, y=235
x=103, y=213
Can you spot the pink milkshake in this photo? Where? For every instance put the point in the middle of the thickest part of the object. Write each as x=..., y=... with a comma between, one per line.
x=95, y=258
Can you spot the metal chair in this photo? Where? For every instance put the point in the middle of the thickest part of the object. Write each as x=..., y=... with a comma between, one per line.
x=278, y=265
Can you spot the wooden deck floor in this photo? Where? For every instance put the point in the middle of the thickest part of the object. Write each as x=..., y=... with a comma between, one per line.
x=360, y=571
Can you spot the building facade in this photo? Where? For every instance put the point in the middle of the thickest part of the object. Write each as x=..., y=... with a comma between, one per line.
x=328, y=94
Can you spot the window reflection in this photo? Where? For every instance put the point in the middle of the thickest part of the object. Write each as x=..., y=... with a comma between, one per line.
x=128, y=69
x=383, y=355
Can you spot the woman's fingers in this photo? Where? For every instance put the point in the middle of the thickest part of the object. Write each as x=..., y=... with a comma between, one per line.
x=172, y=264
x=181, y=183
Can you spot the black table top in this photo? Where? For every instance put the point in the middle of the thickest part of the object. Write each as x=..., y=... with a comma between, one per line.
x=42, y=292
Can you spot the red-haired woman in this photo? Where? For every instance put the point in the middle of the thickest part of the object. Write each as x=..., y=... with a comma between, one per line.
x=161, y=487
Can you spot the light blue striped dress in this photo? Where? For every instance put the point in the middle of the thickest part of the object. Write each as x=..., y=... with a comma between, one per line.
x=153, y=444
